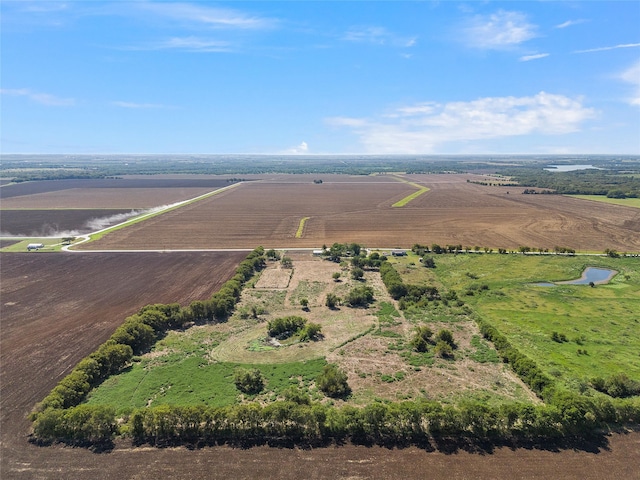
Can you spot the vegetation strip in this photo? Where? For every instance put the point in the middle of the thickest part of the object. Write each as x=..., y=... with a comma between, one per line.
x=625, y=202
x=413, y=196
x=301, y=227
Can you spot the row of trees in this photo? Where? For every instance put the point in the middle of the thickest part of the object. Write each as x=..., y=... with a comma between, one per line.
x=300, y=420
x=139, y=332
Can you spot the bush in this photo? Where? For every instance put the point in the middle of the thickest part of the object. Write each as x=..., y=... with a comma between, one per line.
x=422, y=338
x=333, y=382
x=332, y=301
x=446, y=336
x=248, y=381
x=311, y=331
x=443, y=349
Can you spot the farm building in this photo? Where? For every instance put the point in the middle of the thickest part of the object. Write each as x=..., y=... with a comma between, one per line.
x=35, y=246
x=398, y=253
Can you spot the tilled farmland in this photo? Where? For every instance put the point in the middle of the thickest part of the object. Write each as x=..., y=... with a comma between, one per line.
x=453, y=212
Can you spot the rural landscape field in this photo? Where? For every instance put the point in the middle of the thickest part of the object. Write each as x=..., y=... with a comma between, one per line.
x=487, y=256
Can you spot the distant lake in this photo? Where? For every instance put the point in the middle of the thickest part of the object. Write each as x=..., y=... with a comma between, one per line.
x=569, y=168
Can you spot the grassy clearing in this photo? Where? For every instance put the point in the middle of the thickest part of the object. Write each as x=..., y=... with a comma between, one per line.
x=413, y=196
x=600, y=324
x=301, y=227
x=627, y=202
x=373, y=345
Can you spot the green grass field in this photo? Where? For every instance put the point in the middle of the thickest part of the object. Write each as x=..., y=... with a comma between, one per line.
x=627, y=202
x=601, y=324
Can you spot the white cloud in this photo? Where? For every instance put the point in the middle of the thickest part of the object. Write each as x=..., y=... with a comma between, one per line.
x=536, y=56
x=208, y=16
x=499, y=30
x=299, y=150
x=602, y=49
x=423, y=127
x=632, y=76
x=189, y=44
x=377, y=36
x=135, y=105
x=38, y=97
x=570, y=23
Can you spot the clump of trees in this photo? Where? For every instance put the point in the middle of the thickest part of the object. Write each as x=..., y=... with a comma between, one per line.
x=407, y=295
x=285, y=327
x=360, y=296
x=444, y=343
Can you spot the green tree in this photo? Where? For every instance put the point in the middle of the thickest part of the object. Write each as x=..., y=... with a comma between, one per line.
x=248, y=381
x=421, y=339
x=357, y=273
x=332, y=301
x=360, y=296
x=333, y=382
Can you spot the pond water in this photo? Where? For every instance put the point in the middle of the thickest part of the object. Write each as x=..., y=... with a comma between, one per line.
x=590, y=274
x=569, y=168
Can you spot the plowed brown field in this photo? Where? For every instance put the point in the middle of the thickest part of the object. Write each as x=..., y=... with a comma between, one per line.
x=453, y=211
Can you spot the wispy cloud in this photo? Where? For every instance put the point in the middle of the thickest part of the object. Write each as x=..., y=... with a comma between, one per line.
x=213, y=17
x=535, y=56
x=602, y=49
x=377, y=36
x=135, y=105
x=39, y=97
x=423, y=127
x=632, y=77
x=498, y=31
x=570, y=23
x=190, y=44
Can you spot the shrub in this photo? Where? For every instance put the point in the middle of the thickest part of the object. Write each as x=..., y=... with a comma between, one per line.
x=311, y=331
x=443, y=349
x=248, y=381
x=333, y=382
x=422, y=338
x=332, y=301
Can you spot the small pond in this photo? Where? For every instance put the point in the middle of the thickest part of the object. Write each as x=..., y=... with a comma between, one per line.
x=590, y=274
x=593, y=274
x=569, y=168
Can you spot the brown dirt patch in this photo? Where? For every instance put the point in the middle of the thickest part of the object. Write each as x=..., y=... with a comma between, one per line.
x=451, y=212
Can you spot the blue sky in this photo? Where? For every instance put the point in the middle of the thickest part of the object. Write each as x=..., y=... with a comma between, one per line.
x=307, y=77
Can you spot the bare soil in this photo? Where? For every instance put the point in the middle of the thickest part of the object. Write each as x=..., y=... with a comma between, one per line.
x=43, y=223
x=453, y=211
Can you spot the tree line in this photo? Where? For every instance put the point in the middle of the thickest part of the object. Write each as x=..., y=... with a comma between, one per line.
x=300, y=421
